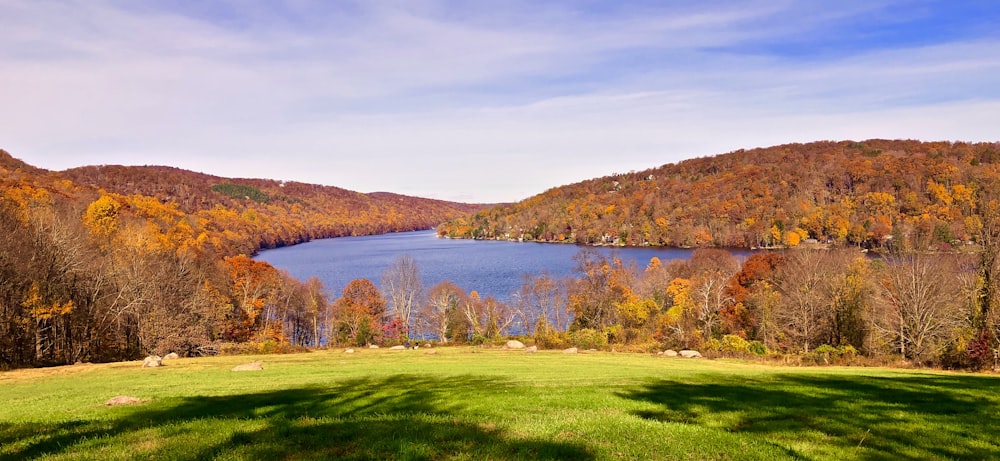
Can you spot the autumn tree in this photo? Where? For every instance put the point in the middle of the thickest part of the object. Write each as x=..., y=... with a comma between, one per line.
x=603, y=285
x=713, y=269
x=437, y=318
x=488, y=318
x=360, y=311
x=743, y=315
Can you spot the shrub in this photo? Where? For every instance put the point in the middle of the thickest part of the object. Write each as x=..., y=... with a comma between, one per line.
x=551, y=339
x=712, y=345
x=826, y=354
x=757, y=348
x=732, y=344
x=588, y=339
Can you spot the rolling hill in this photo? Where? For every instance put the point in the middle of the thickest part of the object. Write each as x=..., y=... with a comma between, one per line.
x=871, y=193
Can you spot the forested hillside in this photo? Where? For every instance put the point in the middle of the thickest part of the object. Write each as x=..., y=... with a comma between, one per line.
x=875, y=193
x=266, y=213
x=111, y=262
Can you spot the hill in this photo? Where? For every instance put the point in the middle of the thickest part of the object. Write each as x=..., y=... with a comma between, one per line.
x=107, y=263
x=285, y=213
x=871, y=193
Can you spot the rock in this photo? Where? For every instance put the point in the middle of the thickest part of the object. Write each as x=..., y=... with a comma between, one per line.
x=397, y=348
x=515, y=344
x=348, y=351
x=171, y=356
x=122, y=400
x=689, y=354
x=431, y=352
x=571, y=350
x=152, y=361
x=252, y=366
x=670, y=353
x=531, y=350
x=373, y=346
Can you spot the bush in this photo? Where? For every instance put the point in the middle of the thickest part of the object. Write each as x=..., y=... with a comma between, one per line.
x=826, y=354
x=551, y=339
x=588, y=339
x=712, y=345
x=732, y=344
x=757, y=348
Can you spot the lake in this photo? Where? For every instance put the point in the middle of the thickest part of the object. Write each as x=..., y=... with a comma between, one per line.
x=493, y=268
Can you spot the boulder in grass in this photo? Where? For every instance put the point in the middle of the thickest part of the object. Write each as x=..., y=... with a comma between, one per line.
x=171, y=356
x=252, y=366
x=531, y=350
x=689, y=354
x=348, y=351
x=373, y=346
x=670, y=353
x=397, y=348
x=571, y=350
x=515, y=344
x=122, y=400
x=152, y=361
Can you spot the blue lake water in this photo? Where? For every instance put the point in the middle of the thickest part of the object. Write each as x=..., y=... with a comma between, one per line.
x=492, y=268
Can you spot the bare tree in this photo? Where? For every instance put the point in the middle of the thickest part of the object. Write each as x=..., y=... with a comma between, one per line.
x=403, y=287
x=713, y=269
x=922, y=303
x=541, y=301
x=803, y=316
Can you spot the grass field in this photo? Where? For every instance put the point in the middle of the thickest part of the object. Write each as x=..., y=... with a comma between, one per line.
x=473, y=404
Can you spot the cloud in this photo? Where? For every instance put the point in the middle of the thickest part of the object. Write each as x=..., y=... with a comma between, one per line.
x=486, y=102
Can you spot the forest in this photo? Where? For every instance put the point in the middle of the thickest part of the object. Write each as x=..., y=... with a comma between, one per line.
x=872, y=194
x=877, y=251
x=109, y=263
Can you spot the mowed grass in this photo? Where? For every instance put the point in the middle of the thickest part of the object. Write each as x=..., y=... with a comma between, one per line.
x=473, y=404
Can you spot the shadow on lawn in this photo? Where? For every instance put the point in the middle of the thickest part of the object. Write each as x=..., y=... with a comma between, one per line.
x=891, y=417
x=401, y=417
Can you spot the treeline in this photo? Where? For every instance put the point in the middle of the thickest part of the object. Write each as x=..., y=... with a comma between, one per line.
x=874, y=194
x=824, y=307
x=111, y=263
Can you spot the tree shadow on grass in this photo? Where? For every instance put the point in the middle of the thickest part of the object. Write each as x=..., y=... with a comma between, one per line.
x=917, y=417
x=400, y=417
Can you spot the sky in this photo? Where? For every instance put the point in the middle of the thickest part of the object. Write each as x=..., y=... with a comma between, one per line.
x=481, y=101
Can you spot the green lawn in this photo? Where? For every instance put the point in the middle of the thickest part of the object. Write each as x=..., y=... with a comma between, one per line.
x=466, y=403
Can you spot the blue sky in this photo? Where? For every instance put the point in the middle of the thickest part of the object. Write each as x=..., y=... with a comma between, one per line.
x=481, y=101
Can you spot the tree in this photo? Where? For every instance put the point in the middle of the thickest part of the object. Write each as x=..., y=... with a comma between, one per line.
x=923, y=303
x=442, y=301
x=403, y=287
x=360, y=311
x=542, y=302
x=604, y=284
x=743, y=316
x=713, y=269
x=804, y=314
x=678, y=324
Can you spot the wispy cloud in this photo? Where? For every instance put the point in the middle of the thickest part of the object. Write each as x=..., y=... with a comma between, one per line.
x=480, y=101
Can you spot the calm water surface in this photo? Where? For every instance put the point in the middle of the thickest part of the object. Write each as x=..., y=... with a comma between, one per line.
x=492, y=268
